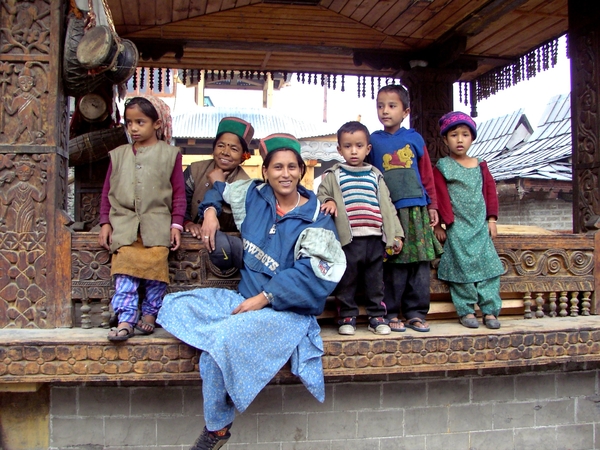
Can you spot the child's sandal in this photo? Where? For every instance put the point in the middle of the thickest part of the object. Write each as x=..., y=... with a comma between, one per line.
x=123, y=332
x=144, y=326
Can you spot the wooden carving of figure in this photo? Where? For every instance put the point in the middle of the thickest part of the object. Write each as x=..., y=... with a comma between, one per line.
x=26, y=105
x=20, y=214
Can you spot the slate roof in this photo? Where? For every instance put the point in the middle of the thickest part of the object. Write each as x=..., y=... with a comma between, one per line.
x=546, y=154
x=202, y=123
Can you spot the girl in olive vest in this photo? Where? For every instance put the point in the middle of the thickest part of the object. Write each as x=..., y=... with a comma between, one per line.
x=141, y=213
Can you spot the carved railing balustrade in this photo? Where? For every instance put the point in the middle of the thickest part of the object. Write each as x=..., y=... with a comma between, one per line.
x=544, y=276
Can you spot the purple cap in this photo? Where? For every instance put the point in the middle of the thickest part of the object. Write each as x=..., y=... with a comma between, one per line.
x=454, y=118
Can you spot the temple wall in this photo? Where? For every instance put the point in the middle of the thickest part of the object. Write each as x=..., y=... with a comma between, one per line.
x=550, y=214
x=553, y=410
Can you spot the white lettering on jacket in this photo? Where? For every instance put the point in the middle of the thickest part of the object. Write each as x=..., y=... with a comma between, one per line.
x=259, y=254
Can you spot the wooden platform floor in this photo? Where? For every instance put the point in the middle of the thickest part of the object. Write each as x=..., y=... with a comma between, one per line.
x=78, y=355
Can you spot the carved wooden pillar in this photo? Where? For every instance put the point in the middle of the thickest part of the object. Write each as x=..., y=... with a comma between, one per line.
x=35, y=260
x=584, y=51
x=431, y=96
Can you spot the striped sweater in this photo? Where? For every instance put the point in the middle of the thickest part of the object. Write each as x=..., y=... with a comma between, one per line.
x=359, y=191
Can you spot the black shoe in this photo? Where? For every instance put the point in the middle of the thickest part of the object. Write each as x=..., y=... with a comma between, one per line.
x=493, y=323
x=469, y=322
x=212, y=440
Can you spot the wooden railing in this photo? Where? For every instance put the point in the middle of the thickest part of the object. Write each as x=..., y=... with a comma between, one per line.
x=545, y=275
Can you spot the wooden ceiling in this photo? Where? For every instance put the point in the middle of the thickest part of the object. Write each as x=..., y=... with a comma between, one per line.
x=358, y=37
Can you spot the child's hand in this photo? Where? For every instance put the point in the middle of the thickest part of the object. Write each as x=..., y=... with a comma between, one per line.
x=105, y=236
x=217, y=174
x=492, y=229
x=398, y=244
x=434, y=219
x=440, y=233
x=195, y=229
x=175, y=239
x=329, y=207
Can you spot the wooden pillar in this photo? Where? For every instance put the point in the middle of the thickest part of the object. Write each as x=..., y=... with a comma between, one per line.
x=199, y=89
x=268, y=91
x=584, y=52
x=35, y=256
x=309, y=178
x=431, y=96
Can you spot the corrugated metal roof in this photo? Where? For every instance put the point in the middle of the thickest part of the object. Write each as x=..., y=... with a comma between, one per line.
x=202, y=123
x=546, y=153
x=493, y=135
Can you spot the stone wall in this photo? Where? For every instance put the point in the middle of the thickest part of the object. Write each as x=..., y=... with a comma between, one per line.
x=551, y=214
x=552, y=410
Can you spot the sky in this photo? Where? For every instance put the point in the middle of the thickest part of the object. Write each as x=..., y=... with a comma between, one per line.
x=306, y=102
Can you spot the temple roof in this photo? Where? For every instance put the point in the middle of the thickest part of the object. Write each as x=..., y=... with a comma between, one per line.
x=352, y=37
x=513, y=152
x=202, y=123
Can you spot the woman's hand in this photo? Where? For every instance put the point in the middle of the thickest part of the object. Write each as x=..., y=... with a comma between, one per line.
x=252, y=304
x=210, y=225
x=217, y=174
x=195, y=229
x=105, y=236
x=175, y=239
x=440, y=233
x=492, y=229
x=329, y=207
x=434, y=219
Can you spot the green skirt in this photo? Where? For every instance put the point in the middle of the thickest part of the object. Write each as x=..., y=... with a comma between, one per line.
x=420, y=243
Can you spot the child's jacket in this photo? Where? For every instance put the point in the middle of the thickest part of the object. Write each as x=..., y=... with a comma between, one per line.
x=329, y=189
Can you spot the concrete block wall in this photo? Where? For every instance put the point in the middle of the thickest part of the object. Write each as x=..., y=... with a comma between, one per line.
x=549, y=410
x=550, y=214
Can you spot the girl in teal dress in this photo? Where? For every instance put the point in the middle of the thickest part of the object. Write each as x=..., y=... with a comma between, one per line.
x=468, y=207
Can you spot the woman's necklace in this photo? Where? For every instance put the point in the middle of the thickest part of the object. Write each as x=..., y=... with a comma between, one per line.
x=295, y=206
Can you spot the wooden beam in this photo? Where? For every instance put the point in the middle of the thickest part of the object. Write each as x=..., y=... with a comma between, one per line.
x=487, y=15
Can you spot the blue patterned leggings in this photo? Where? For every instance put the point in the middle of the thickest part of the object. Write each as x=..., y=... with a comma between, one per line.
x=125, y=301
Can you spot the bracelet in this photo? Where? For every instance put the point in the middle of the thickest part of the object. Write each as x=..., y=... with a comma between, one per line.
x=177, y=226
x=210, y=207
x=492, y=221
x=268, y=296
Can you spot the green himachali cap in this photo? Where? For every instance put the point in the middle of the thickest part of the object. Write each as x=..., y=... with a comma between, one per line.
x=276, y=141
x=237, y=126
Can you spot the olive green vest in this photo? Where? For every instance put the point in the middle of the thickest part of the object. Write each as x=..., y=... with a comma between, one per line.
x=141, y=194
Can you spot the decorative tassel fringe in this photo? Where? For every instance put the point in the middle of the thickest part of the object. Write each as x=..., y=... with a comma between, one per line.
x=528, y=66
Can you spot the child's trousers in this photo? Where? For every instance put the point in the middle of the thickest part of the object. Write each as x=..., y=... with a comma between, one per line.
x=125, y=301
x=364, y=261
x=407, y=289
x=484, y=293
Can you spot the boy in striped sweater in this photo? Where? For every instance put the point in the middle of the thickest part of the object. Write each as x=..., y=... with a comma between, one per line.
x=355, y=194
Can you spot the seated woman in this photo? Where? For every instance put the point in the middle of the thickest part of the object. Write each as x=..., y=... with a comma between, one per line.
x=230, y=149
x=292, y=262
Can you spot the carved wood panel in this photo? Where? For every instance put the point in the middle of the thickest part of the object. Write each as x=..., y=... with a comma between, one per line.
x=33, y=170
x=23, y=232
x=189, y=268
x=584, y=50
x=25, y=44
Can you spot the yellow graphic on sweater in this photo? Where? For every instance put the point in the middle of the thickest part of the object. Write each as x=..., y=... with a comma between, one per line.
x=401, y=159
